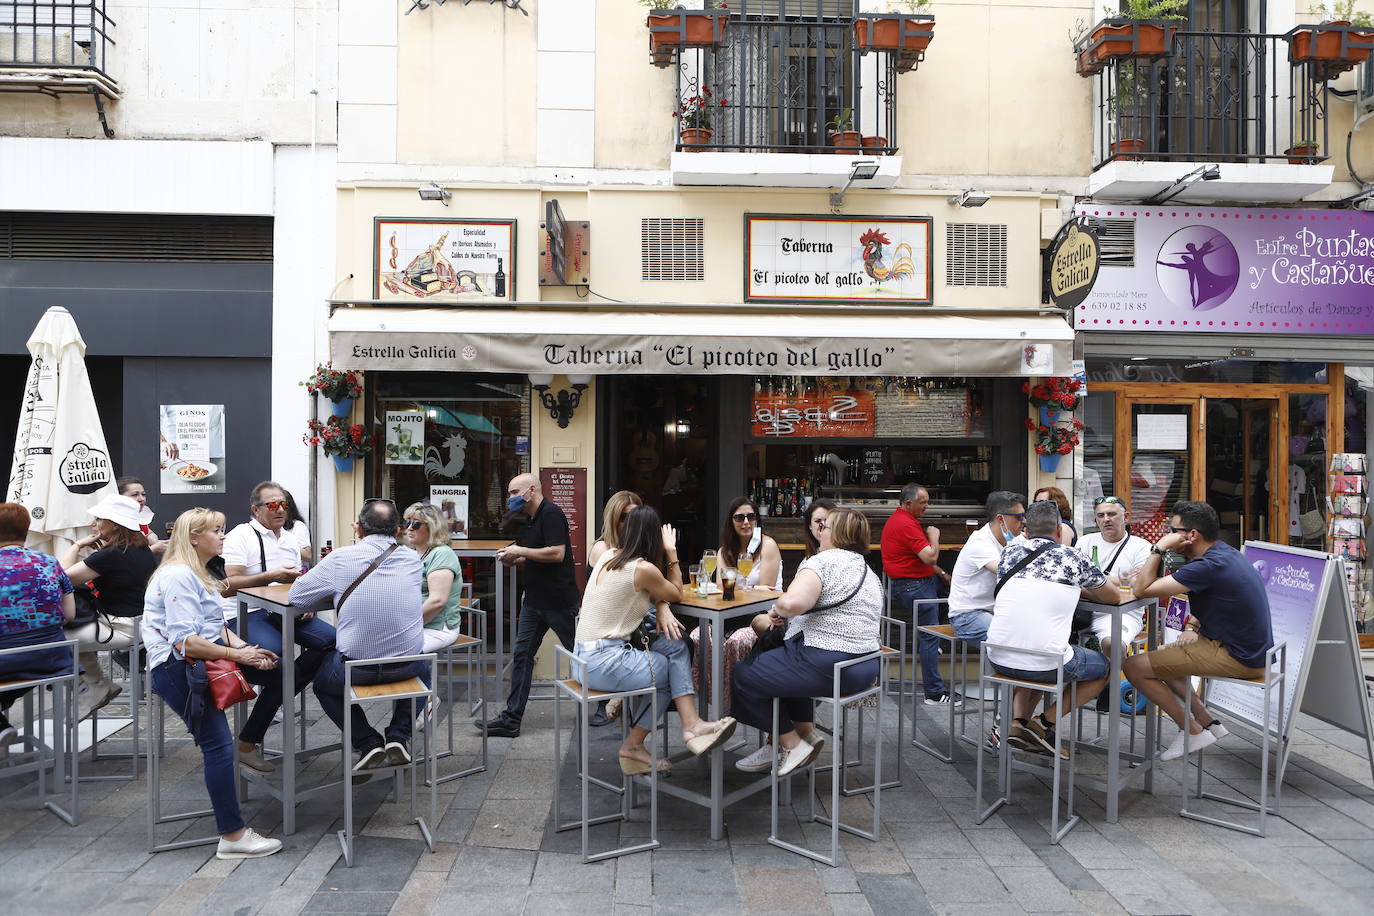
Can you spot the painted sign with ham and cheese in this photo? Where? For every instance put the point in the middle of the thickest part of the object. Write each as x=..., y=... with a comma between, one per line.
x=444, y=260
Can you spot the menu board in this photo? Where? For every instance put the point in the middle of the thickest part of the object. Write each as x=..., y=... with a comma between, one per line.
x=939, y=413
x=567, y=488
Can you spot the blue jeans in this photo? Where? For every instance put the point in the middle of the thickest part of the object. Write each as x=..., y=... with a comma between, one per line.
x=25, y=666
x=971, y=626
x=796, y=673
x=613, y=665
x=329, y=688
x=535, y=624
x=1086, y=665
x=212, y=736
x=314, y=636
x=904, y=593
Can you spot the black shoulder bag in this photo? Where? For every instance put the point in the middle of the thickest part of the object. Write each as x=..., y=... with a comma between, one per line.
x=775, y=637
x=1020, y=565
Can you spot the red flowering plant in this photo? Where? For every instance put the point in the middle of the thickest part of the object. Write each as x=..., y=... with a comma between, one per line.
x=335, y=384
x=1054, y=394
x=1053, y=439
x=338, y=438
x=695, y=112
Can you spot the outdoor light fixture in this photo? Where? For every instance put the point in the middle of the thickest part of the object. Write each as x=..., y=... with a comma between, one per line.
x=862, y=170
x=969, y=198
x=432, y=191
x=562, y=405
x=1201, y=173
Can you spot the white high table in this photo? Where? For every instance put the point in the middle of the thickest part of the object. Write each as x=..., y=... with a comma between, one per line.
x=505, y=588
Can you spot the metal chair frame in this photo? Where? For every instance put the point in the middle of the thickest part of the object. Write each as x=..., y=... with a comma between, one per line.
x=136, y=695
x=156, y=723
x=66, y=737
x=889, y=656
x=475, y=649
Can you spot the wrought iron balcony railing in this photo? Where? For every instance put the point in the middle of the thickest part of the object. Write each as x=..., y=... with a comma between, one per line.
x=1215, y=96
x=785, y=80
x=72, y=36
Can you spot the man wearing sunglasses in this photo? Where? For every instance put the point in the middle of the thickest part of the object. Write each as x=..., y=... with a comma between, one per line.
x=1229, y=630
x=974, y=583
x=1119, y=555
x=910, y=552
x=551, y=600
x=262, y=551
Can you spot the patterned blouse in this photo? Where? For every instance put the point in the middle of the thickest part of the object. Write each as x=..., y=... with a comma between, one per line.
x=849, y=627
x=31, y=588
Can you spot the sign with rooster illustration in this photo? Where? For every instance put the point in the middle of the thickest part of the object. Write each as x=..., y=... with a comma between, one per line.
x=838, y=259
x=445, y=260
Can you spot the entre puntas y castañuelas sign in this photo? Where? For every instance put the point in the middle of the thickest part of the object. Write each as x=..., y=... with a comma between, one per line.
x=841, y=259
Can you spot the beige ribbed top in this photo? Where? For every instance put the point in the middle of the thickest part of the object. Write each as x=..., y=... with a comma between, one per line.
x=611, y=606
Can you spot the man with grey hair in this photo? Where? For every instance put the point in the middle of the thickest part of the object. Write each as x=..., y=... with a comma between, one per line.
x=382, y=618
x=911, y=551
x=1039, y=584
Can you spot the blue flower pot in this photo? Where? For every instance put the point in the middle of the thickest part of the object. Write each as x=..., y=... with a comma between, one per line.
x=343, y=465
x=1048, y=463
x=1048, y=416
x=342, y=408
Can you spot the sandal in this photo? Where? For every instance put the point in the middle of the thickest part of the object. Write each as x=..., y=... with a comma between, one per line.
x=632, y=767
x=613, y=709
x=700, y=744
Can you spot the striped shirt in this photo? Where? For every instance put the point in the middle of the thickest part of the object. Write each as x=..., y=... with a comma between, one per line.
x=384, y=617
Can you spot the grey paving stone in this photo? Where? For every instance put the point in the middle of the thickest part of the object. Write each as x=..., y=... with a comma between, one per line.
x=849, y=904
x=379, y=864
x=897, y=895
x=1036, y=889
x=960, y=881
x=484, y=867
x=684, y=874
x=555, y=871
x=511, y=823
x=766, y=888
x=485, y=901
x=931, y=840
x=568, y=903
x=350, y=902
x=775, y=856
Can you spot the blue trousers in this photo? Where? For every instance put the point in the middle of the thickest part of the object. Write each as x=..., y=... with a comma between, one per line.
x=329, y=688
x=535, y=623
x=24, y=666
x=904, y=593
x=314, y=636
x=212, y=736
x=796, y=673
x=613, y=665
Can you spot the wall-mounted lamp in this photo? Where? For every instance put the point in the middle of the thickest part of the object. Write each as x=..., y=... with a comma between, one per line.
x=863, y=170
x=562, y=405
x=432, y=191
x=969, y=198
x=1201, y=173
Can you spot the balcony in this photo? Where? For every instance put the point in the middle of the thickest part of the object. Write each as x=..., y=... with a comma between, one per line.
x=56, y=47
x=1231, y=99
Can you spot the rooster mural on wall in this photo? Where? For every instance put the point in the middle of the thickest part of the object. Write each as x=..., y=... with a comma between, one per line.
x=874, y=264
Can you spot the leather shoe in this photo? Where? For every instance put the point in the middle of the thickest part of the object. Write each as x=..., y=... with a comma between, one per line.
x=599, y=718
x=500, y=727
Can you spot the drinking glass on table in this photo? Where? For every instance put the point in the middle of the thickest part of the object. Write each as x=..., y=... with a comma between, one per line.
x=703, y=580
x=695, y=572
x=1127, y=579
x=745, y=565
x=728, y=576
x=708, y=563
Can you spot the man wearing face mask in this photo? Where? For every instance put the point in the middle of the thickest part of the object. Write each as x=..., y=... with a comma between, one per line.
x=975, y=572
x=544, y=554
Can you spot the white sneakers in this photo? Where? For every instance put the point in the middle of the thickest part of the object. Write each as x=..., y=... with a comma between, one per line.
x=1195, y=743
x=804, y=754
x=249, y=846
x=757, y=762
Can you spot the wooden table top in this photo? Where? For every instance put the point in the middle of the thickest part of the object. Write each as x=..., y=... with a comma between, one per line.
x=716, y=603
x=271, y=594
x=466, y=544
x=1126, y=599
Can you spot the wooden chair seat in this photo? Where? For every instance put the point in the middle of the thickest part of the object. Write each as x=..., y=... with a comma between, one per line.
x=576, y=687
x=943, y=629
x=462, y=642
x=1019, y=682
x=888, y=650
x=372, y=691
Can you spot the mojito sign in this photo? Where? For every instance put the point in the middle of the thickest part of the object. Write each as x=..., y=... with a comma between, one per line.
x=1265, y=271
x=865, y=260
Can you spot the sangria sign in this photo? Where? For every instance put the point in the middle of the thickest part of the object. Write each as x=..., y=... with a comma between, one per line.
x=1264, y=271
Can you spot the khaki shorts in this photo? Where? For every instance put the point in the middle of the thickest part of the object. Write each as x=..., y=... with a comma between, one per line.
x=1198, y=658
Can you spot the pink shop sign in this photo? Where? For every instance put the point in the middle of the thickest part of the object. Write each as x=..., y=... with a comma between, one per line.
x=1261, y=271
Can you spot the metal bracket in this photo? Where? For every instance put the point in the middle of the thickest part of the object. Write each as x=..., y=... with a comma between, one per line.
x=100, y=111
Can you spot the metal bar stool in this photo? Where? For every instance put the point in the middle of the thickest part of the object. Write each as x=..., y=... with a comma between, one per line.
x=1274, y=679
x=988, y=675
x=474, y=647
x=135, y=704
x=890, y=655
x=574, y=686
x=64, y=751
x=958, y=656
x=412, y=689
x=154, y=745
x=838, y=704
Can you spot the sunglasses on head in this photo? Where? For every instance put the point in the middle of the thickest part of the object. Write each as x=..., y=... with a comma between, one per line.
x=413, y=525
x=745, y=516
x=1107, y=499
x=273, y=505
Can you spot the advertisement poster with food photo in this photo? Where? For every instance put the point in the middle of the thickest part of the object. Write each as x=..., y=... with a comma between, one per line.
x=452, y=503
x=444, y=260
x=191, y=448
x=405, y=437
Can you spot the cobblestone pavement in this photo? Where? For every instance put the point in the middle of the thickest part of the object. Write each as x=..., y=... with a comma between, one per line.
x=496, y=851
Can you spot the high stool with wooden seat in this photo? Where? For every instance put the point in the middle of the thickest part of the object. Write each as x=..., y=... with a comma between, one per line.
x=153, y=749
x=891, y=655
x=474, y=647
x=135, y=708
x=574, y=687
x=987, y=675
x=839, y=704
x=958, y=656
x=1273, y=681
x=412, y=689
x=64, y=753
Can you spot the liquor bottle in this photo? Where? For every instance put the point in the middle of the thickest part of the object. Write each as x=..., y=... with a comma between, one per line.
x=500, y=291
x=328, y=549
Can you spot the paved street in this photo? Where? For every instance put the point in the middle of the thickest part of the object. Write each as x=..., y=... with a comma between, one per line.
x=496, y=851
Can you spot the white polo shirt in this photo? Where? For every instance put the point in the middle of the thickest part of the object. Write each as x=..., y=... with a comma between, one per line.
x=972, y=583
x=242, y=547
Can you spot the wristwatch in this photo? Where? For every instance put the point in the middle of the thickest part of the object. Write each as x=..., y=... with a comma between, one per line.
x=1157, y=552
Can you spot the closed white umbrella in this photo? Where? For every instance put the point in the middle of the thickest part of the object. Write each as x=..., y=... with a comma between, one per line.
x=61, y=464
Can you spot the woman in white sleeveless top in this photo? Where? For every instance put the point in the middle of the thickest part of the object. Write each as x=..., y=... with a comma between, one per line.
x=621, y=585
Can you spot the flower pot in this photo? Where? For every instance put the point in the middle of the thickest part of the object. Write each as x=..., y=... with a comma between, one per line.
x=878, y=143
x=1297, y=155
x=1089, y=65
x=886, y=33
x=342, y=408
x=847, y=142
x=1048, y=415
x=1128, y=149
x=669, y=29
x=695, y=136
x=343, y=465
x=1121, y=38
x=1049, y=463
x=1334, y=47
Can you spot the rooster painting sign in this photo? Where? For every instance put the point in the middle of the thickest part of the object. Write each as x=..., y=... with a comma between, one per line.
x=444, y=260
x=846, y=259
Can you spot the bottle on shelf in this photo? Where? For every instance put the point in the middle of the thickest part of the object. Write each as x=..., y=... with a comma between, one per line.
x=328, y=549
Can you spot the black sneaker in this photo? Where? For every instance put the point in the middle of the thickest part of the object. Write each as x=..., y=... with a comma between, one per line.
x=993, y=741
x=1020, y=737
x=397, y=754
x=1104, y=701
x=370, y=760
x=599, y=718
x=500, y=727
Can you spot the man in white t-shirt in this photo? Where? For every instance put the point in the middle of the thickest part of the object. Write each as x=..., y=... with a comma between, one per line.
x=1119, y=555
x=1034, y=613
x=262, y=552
x=975, y=571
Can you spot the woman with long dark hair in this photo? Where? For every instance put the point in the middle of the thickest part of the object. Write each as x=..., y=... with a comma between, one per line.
x=742, y=542
x=619, y=587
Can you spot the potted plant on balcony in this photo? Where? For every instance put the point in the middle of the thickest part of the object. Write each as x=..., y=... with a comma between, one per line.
x=1302, y=151
x=905, y=35
x=1143, y=29
x=695, y=117
x=671, y=30
x=846, y=140
x=1343, y=39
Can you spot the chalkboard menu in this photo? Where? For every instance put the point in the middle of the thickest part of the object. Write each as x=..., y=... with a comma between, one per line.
x=941, y=413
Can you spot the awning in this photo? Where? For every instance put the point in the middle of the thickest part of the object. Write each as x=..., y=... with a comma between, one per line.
x=647, y=343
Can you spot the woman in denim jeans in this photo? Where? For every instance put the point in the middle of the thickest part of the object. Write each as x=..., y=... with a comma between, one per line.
x=621, y=584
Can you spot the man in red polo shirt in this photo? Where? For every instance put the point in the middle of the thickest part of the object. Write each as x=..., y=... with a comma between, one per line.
x=910, y=552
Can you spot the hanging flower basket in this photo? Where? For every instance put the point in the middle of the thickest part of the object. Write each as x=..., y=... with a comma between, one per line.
x=1053, y=440
x=1050, y=463
x=343, y=465
x=1053, y=394
x=339, y=440
x=335, y=384
x=672, y=30
x=1118, y=39
x=1331, y=47
x=904, y=35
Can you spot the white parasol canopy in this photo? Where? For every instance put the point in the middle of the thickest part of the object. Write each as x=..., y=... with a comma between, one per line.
x=61, y=464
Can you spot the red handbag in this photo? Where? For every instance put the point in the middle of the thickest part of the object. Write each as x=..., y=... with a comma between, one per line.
x=227, y=684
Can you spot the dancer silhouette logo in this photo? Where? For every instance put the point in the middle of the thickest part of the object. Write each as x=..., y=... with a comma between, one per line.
x=1197, y=268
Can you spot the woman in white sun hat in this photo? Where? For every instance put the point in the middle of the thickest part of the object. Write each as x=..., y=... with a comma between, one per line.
x=117, y=571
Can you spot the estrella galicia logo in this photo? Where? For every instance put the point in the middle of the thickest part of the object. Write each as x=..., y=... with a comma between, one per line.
x=84, y=469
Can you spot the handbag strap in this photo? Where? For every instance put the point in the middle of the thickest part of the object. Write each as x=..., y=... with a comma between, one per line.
x=262, y=551
x=847, y=598
x=1020, y=565
x=1112, y=561
x=372, y=567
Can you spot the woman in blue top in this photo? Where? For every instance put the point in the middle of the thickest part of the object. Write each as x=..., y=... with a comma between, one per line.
x=441, y=585
x=183, y=621
x=35, y=598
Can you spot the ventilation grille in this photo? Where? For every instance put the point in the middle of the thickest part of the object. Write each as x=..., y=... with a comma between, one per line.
x=134, y=237
x=1116, y=239
x=672, y=249
x=975, y=255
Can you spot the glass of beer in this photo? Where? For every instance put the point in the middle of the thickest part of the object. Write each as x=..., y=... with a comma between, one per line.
x=708, y=563
x=728, y=575
x=745, y=565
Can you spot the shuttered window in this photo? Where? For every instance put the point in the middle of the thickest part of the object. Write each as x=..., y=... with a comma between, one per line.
x=672, y=249
x=134, y=237
x=975, y=254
